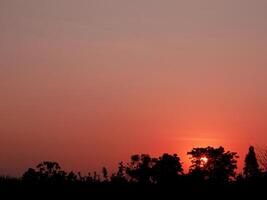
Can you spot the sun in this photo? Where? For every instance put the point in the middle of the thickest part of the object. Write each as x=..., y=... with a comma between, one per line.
x=204, y=160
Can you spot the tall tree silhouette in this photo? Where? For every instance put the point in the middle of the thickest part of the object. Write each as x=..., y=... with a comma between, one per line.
x=167, y=169
x=213, y=164
x=251, y=168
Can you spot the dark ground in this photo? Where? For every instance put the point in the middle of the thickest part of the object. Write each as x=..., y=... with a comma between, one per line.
x=20, y=190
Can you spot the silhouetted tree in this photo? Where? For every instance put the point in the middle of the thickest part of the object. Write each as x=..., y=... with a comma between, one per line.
x=219, y=166
x=48, y=168
x=167, y=169
x=140, y=168
x=46, y=171
x=251, y=168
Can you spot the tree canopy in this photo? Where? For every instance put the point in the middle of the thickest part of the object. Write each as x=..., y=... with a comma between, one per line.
x=218, y=166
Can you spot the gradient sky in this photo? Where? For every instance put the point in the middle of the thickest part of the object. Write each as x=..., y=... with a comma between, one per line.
x=90, y=82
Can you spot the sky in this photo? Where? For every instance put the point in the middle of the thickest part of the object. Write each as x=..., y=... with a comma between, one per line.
x=88, y=83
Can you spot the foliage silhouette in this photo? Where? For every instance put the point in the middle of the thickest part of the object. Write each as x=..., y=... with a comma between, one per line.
x=220, y=165
x=167, y=169
x=140, y=168
x=47, y=171
x=251, y=169
x=148, y=175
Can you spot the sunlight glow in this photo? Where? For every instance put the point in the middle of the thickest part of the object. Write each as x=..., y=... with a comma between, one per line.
x=204, y=159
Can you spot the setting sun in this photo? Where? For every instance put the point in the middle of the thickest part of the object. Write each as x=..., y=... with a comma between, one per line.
x=204, y=160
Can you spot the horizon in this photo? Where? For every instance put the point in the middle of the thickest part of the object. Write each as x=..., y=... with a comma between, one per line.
x=89, y=83
x=203, y=158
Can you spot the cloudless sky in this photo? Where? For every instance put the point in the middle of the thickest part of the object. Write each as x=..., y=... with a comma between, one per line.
x=90, y=82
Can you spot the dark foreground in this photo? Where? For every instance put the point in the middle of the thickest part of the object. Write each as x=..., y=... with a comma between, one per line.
x=20, y=190
x=211, y=176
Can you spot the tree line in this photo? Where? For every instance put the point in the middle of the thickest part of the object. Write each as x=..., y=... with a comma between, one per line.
x=208, y=165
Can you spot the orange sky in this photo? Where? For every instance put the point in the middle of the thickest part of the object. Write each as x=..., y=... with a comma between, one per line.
x=89, y=83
